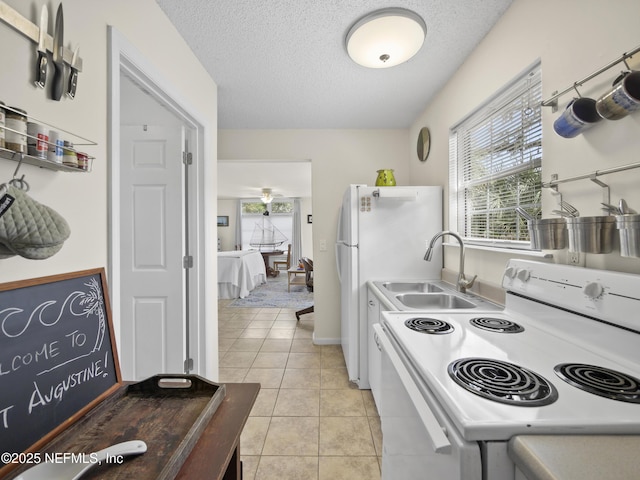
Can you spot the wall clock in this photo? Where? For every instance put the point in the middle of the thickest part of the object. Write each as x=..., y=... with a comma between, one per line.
x=424, y=144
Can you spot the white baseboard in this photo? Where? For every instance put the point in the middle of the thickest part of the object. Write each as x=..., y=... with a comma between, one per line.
x=325, y=341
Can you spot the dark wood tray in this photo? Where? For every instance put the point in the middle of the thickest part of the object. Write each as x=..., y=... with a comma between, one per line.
x=168, y=412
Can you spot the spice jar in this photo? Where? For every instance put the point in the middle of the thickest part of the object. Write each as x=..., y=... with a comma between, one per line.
x=69, y=156
x=16, y=131
x=2, y=121
x=38, y=140
x=55, y=147
x=83, y=161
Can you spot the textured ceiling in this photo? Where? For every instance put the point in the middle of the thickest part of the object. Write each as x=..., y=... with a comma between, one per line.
x=283, y=63
x=246, y=179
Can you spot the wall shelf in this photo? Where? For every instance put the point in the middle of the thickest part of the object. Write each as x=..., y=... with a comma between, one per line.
x=21, y=158
x=41, y=162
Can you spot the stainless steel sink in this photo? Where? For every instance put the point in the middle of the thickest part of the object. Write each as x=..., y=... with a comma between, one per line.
x=429, y=295
x=439, y=301
x=424, y=287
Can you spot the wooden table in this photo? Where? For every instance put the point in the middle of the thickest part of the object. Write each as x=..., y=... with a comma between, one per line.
x=265, y=255
x=293, y=278
x=216, y=456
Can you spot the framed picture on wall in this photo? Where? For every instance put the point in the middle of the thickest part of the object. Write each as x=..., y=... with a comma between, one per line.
x=223, y=221
x=309, y=218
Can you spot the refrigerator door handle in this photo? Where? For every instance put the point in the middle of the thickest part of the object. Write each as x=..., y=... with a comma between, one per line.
x=339, y=229
x=338, y=242
x=338, y=261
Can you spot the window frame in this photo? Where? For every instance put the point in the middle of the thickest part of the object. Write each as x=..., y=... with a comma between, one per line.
x=524, y=90
x=255, y=217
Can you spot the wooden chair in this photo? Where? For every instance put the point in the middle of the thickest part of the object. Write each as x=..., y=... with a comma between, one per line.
x=308, y=269
x=286, y=263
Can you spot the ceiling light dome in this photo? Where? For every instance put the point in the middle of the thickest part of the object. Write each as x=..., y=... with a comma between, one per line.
x=266, y=195
x=386, y=37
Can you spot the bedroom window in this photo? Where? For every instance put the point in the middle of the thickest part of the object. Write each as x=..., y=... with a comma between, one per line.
x=280, y=216
x=495, y=158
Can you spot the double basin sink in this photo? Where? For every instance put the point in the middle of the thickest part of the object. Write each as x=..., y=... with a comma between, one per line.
x=430, y=295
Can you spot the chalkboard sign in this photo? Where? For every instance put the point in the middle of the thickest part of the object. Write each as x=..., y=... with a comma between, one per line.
x=57, y=355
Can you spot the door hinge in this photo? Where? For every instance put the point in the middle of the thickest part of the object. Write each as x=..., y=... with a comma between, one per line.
x=187, y=261
x=188, y=365
x=187, y=158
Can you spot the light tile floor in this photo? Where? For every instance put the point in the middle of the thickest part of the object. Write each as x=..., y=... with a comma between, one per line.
x=309, y=422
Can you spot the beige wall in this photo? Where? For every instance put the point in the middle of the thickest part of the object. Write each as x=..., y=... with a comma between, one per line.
x=83, y=198
x=226, y=235
x=338, y=159
x=573, y=38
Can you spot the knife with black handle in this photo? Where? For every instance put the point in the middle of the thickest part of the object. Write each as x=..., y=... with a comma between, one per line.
x=58, y=60
x=73, y=76
x=41, y=65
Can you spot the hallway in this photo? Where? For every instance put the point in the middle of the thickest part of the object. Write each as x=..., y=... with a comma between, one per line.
x=309, y=421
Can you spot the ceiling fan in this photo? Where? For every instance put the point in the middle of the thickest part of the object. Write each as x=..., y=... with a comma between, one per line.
x=266, y=197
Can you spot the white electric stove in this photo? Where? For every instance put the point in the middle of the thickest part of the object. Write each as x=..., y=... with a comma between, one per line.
x=563, y=357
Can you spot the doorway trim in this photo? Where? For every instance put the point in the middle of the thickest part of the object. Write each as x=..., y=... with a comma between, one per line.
x=123, y=56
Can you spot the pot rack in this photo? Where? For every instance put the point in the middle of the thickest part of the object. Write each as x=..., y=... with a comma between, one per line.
x=553, y=101
x=606, y=193
x=30, y=30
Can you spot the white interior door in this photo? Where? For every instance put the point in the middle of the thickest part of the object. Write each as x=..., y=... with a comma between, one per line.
x=152, y=214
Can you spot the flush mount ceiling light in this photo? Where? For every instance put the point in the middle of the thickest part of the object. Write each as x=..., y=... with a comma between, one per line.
x=386, y=37
x=266, y=195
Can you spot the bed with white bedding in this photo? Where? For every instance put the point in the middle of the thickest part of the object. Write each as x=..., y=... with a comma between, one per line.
x=239, y=272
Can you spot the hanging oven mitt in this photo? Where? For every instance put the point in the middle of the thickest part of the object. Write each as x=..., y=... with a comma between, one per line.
x=30, y=229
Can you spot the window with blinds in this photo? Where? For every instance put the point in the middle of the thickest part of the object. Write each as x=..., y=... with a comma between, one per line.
x=495, y=157
x=280, y=216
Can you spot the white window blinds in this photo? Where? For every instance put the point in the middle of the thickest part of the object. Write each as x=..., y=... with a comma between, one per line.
x=495, y=157
x=280, y=216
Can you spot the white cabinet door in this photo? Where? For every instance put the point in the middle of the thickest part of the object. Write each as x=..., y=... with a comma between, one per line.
x=374, y=354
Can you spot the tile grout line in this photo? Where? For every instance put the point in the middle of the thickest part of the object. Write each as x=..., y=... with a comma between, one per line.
x=363, y=401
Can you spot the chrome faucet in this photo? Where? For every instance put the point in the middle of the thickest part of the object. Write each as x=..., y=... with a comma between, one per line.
x=462, y=283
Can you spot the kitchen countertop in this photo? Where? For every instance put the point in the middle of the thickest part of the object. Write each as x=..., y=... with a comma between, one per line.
x=568, y=457
x=385, y=302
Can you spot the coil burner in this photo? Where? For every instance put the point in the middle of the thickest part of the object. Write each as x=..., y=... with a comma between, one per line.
x=502, y=382
x=600, y=381
x=501, y=325
x=429, y=325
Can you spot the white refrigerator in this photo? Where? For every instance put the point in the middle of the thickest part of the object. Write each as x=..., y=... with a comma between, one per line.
x=383, y=234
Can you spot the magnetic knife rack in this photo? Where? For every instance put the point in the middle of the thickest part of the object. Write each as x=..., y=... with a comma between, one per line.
x=30, y=30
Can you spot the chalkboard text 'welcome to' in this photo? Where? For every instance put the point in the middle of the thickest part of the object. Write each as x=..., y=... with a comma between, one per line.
x=56, y=353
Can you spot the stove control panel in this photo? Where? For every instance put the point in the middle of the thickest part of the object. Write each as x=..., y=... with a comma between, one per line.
x=593, y=290
x=603, y=294
x=510, y=272
x=523, y=275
